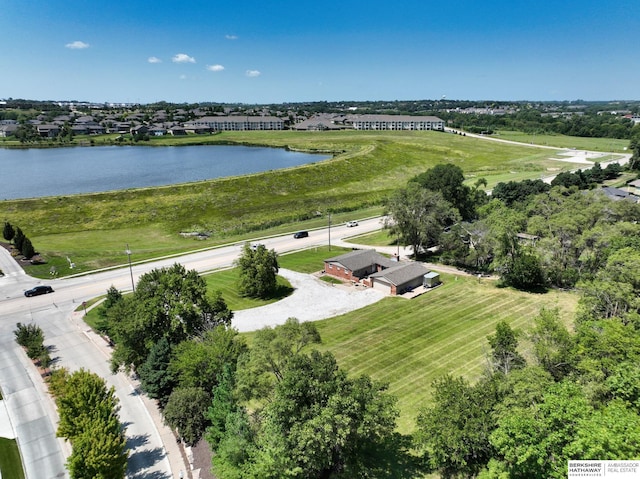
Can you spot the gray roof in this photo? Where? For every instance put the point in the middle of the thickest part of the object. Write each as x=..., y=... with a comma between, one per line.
x=360, y=259
x=396, y=118
x=618, y=194
x=402, y=273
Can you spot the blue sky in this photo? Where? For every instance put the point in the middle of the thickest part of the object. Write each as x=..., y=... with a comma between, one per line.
x=291, y=51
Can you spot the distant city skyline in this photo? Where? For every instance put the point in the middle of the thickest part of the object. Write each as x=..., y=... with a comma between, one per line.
x=296, y=51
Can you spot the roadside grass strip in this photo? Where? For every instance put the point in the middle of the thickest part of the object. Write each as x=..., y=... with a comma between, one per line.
x=10, y=462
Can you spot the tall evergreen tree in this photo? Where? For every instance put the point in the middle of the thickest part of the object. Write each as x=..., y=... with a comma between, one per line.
x=8, y=232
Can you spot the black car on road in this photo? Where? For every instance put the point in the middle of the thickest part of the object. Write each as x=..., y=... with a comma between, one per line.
x=38, y=290
x=301, y=234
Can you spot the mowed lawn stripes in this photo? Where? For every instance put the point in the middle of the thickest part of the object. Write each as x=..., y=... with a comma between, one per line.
x=409, y=343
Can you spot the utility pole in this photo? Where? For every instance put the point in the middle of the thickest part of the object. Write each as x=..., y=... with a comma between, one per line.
x=128, y=252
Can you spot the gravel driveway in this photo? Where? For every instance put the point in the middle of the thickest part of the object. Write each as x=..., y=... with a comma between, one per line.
x=312, y=300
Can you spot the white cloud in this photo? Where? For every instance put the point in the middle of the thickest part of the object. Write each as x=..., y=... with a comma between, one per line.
x=231, y=37
x=77, y=45
x=215, y=68
x=154, y=60
x=183, y=58
x=252, y=73
x=183, y=77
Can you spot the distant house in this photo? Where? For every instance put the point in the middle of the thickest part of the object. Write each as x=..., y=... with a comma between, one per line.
x=400, y=278
x=157, y=130
x=357, y=264
x=318, y=123
x=177, y=131
x=140, y=130
x=48, y=130
x=8, y=130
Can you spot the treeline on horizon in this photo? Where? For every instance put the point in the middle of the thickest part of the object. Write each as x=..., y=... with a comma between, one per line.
x=593, y=119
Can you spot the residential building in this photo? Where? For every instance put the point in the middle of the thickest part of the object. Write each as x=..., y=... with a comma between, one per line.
x=396, y=122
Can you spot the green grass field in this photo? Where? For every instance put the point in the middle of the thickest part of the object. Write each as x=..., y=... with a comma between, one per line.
x=409, y=343
x=563, y=141
x=10, y=462
x=93, y=229
x=226, y=281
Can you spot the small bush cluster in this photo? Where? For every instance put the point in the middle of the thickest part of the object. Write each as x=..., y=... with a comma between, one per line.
x=31, y=338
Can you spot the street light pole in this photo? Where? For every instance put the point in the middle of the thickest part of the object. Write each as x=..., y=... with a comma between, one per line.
x=128, y=251
x=329, y=231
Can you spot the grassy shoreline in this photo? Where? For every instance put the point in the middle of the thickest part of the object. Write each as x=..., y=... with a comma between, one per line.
x=93, y=229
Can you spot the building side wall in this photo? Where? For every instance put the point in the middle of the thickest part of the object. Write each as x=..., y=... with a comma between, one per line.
x=339, y=271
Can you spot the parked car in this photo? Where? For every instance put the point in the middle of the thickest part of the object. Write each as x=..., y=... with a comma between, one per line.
x=351, y=224
x=38, y=290
x=301, y=234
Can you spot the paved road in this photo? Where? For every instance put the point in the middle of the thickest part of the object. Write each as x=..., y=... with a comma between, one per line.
x=154, y=452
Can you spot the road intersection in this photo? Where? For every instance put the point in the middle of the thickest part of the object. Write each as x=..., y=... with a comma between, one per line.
x=154, y=452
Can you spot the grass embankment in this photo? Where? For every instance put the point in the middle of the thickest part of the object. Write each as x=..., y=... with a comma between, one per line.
x=92, y=230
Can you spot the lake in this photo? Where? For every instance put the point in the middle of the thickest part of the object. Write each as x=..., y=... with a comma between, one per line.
x=38, y=172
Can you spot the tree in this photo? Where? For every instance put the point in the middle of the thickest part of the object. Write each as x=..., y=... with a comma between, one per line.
x=552, y=344
x=454, y=432
x=610, y=433
x=155, y=378
x=27, y=132
x=224, y=403
x=89, y=420
x=448, y=179
x=268, y=358
x=27, y=248
x=525, y=273
x=85, y=398
x=634, y=162
x=232, y=459
x=615, y=291
x=504, y=353
x=532, y=440
x=8, y=232
x=258, y=271
x=99, y=452
x=518, y=192
x=18, y=239
x=168, y=302
x=418, y=216
x=200, y=362
x=319, y=422
x=31, y=338
x=185, y=412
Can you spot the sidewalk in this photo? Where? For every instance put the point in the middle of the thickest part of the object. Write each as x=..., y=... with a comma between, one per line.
x=6, y=427
x=172, y=449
